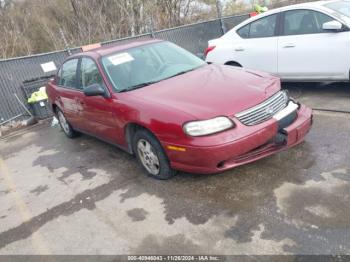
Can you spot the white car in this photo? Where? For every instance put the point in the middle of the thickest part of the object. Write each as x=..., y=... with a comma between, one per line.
x=303, y=42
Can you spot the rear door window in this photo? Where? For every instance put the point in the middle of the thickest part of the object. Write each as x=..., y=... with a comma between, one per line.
x=68, y=77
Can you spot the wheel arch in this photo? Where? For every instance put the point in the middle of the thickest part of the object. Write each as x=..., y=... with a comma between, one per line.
x=233, y=63
x=54, y=108
x=130, y=130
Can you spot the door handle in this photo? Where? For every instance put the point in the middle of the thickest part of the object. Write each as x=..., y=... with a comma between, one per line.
x=239, y=48
x=289, y=45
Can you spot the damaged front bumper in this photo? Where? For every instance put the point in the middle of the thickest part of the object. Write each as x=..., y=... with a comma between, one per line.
x=284, y=130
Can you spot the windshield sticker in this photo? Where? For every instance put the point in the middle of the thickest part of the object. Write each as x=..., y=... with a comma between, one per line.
x=120, y=58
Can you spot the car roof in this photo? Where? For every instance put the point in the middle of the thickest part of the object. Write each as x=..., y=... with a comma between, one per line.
x=112, y=48
x=318, y=5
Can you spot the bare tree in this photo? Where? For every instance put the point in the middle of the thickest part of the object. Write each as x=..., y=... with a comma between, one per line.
x=32, y=26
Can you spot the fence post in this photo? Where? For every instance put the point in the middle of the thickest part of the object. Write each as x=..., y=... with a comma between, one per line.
x=65, y=42
x=219, y=10
x=151, y=26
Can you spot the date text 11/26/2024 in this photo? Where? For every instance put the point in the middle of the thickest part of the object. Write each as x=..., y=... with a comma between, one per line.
x=174, y=258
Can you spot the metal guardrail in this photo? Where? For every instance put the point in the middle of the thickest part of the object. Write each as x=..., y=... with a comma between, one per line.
x=15, y=71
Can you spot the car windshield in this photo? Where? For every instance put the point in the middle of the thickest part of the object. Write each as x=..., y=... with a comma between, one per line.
x=144, y=65
x=342, y=7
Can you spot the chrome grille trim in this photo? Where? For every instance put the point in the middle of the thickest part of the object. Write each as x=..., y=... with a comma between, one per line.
x=259, y=113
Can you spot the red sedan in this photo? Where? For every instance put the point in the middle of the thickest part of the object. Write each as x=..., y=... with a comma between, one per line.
x=172, y=110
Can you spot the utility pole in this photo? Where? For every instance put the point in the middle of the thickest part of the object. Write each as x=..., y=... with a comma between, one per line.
x=77, y=18
x=65, y=42
x=219, y=11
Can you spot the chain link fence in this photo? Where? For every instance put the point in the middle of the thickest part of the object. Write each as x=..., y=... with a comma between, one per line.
x=13, y=72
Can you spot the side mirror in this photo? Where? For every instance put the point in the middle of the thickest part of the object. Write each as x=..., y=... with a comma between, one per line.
x=95, y=90
x=332, y=26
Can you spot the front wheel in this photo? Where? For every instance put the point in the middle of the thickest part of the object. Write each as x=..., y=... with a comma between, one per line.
x=151, y=155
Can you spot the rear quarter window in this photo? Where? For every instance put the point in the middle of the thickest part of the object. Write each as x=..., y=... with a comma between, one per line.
x=244, y=31
x=263, y=27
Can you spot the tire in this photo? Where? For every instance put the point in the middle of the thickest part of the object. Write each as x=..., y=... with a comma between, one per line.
x=65, y=126
x=151, y=156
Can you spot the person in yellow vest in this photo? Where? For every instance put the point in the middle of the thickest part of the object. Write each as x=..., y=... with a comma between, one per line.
x=258, y=9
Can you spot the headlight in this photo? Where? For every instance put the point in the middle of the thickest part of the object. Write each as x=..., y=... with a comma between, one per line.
x=206, y=127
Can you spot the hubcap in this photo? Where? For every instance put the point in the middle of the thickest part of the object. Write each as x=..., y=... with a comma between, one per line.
x=63, y=121
x=148, y=157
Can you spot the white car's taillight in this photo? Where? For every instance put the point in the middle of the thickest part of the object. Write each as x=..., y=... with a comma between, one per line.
x=210, y=48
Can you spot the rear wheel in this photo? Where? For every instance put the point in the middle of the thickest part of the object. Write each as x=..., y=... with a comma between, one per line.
x=66, y=127
x=151, y=155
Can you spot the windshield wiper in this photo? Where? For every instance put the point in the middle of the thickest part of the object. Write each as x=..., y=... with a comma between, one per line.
x=153, y=82
x=138, y=86
x=180, y=73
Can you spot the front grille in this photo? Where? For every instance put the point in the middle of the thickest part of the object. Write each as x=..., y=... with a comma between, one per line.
x=264, y=111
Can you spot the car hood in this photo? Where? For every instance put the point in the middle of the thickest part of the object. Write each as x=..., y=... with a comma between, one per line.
x=212, y=90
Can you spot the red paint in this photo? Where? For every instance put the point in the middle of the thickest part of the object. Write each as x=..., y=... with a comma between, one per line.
x=208, y=49
x=163, y=108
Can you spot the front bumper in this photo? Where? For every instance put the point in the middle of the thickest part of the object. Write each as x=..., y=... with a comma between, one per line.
x=260, y=144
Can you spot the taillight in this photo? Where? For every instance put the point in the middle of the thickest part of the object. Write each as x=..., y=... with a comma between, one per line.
x=210, y=48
